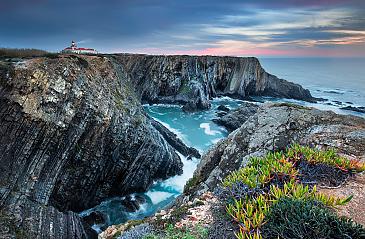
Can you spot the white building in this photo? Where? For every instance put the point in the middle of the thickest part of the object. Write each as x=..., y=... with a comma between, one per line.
x=78, y=50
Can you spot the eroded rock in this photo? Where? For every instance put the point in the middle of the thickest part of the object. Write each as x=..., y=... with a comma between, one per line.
x=274, y=127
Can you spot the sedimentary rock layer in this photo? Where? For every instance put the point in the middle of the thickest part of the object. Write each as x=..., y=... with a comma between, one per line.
x=193, y=80
x=72, y=133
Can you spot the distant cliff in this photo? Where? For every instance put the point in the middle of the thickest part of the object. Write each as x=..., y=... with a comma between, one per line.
x=193, y=80
x=73, y=131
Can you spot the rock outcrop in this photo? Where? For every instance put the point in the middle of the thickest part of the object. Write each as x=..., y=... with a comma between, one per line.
x=193, y=80
x=72, y=133
x=274, y=127
x=174, y=141
x=233, y=119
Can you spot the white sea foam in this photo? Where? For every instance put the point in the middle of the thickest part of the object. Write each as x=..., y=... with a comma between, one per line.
x=208, y=130
x=158, y=196
x=178, y=182
x=214, y=141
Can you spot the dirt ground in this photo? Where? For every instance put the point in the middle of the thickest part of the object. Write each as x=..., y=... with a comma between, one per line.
x=355, y=186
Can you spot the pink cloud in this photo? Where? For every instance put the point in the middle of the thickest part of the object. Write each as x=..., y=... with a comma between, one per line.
x=259, y=52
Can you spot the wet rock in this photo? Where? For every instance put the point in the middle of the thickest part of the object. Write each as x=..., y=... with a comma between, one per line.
x=356, y=109
x=133, y=203
x=190, y=107
x=174, y=141
x=140, y=199
x=223, y=108
x=95, y=218
x=235, y=118
x=221, y=113
x=337, y=102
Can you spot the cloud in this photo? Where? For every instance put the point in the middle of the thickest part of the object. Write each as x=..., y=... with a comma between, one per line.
x=233, y=27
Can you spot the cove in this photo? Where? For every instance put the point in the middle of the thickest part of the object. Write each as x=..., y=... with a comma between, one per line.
x=195, y=130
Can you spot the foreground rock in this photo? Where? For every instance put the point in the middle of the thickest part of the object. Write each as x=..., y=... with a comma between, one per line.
x=193, y=80
x=274, y=127
x=72, y=133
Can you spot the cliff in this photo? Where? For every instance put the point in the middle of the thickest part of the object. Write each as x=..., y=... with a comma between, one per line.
x=193, y=80
x=73, y=131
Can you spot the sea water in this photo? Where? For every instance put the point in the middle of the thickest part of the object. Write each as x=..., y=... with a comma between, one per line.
x=195, y=130
x=340, y=81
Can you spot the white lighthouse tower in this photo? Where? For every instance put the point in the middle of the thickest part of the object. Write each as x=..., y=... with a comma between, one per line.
x=73, y=45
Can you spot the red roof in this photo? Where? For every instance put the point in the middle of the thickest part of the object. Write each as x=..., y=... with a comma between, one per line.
x=80, y=49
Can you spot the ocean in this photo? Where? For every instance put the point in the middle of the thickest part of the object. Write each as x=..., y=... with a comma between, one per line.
x=336, y=79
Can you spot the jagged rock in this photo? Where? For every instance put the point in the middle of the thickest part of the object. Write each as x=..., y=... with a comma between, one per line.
x=220, y=114
x=223, y=108
x=132, y=204
x=356, y=109
x=193, y=80
x=94, y=218
x=174, y=141
x=71, y=135
x=274, y=127
x=235, y=118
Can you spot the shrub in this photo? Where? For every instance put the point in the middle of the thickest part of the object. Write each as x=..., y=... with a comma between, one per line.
x=253, y=190
x=15, y=52
x=172, y=232
x=296, y=218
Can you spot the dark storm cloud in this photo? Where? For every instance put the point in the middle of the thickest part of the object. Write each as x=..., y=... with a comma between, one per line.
x=172, y=25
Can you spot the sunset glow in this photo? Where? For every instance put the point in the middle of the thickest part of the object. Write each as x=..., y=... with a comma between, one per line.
x=239, y=28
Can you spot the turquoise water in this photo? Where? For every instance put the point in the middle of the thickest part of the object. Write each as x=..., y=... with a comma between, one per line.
x=341, y=81
x=196, y=130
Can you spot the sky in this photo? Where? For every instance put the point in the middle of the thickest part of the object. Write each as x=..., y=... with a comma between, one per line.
x=263, y=28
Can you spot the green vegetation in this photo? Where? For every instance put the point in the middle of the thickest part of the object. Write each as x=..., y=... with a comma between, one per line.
x=267, y=181
x=191, y=183
x=288, y=104
x=293, y=218
x=172, y=232
x=18, y=53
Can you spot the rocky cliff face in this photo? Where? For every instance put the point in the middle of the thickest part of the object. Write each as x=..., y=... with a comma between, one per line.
x=264, y=128
x=193, y=80
x=274, y=127
x=73, y=132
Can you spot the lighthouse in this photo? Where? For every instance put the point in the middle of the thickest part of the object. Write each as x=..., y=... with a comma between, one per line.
x=73, y=45
x=73, y=49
